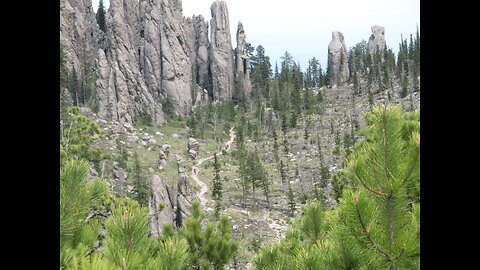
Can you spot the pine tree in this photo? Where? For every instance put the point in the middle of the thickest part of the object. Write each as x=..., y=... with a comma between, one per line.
x=305, y=131
x=141, y=187
x=404, y=92
x=377, y=214
x=210, y=248
x=261, y=70
x=77, y=135
x=283, y=175
x=74, y=87
x=170, y=254
x=275, y=146
x=122, y=149
x=127, y=244
x=217, y=185
x=291, y=198
x=63, y=76
x=77, y=197
x=101, y=16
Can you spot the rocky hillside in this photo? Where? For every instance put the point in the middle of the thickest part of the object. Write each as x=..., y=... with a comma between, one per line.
x=179, y=168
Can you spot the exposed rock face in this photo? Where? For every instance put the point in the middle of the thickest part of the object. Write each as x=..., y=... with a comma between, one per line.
x=140, y=59
x=221, y=55
x=198, y=43
x=149, y=52
x=121, y=90
x=242, y=61
x=120, y=95
x=176, y=66
x=377, y=42
x=79, y=32
x=161, y=193
x=337, y=59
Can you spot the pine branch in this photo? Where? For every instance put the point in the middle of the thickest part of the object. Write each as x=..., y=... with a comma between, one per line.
x=410, y=171
x=364, y=184
x=385, y=141
x=366, y=233
x=93, y=214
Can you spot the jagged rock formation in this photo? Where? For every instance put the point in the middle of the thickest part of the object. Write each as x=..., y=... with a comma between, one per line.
x=185, y=193
x=176, y=67
x=221, y=55
x=148, y=53
x=161, y=193
x=377, y=42
x=337, y=59
x=79, y=32
x=242, y=62
x=198, y=44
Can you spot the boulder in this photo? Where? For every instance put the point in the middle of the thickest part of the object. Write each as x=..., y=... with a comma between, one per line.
x=166, y=149
x=162, y=160
x=192, y=153
x=193, y=148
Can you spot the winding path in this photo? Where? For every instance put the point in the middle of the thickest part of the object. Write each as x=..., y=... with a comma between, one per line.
x=196, y=169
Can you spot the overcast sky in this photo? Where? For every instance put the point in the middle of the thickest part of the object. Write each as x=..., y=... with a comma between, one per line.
x=304, y=27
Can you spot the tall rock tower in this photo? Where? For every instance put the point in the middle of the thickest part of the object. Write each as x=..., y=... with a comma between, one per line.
x=337, y=59
x=242, y=62
x=377, y=42
x=221, y=55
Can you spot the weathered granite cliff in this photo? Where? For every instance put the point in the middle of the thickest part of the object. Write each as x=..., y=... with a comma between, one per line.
x=148, y=55
x=221, y=53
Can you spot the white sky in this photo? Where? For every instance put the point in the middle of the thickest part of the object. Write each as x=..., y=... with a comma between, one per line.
x=304, y=27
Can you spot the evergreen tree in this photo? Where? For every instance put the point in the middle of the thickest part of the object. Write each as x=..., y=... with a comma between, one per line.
x=276, y=71
x=127, y=243
x=283, y=175
x=101, y=15
x=306, y=134
x=275, y=146
x=404, y=92
x=210, y=248
x=122, y=149
x=291, y=198
x=64, y=78
x=261, y=70
x=384, y=167
x=77, y=197
x=74, y=87
x=141, y=187
x=77, y=133
x=217, y=185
